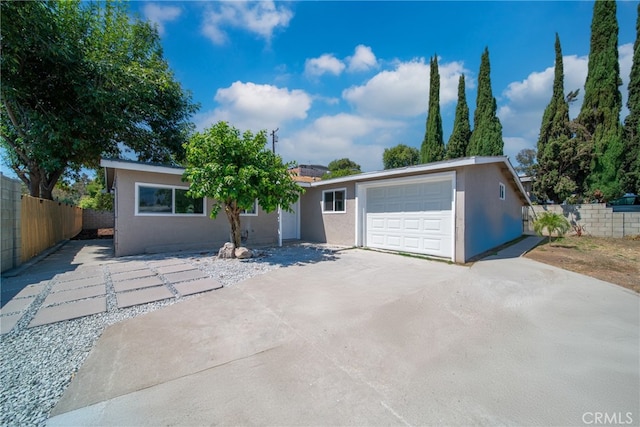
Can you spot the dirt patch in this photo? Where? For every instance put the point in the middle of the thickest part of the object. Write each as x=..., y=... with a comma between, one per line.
x=100, y=233
x=613, y=260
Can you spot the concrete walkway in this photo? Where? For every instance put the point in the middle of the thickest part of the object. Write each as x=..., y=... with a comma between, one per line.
x=81, y=278
x=372, y=338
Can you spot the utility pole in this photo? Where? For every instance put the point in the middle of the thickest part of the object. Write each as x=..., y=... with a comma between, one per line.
x=274, y=139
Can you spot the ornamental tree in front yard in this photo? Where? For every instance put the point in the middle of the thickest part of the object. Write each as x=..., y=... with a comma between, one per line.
x=235, y=170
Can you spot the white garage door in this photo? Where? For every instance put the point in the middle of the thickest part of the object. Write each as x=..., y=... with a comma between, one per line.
x=414, y=217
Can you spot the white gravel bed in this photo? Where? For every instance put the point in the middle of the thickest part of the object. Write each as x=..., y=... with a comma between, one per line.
x=37, y=364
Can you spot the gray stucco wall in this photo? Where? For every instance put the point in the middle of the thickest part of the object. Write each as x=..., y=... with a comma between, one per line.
x=334, y=228
x=10, y=203
x=488, y=221
x=140, y=234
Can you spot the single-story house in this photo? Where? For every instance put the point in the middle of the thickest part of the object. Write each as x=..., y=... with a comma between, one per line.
x=454, y=209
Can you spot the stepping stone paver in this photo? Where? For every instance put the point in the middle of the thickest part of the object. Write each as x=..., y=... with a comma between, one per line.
x=31, y=291
x=8, y=322
x=69, y=311
x=142, y=296
x=16, y=305
x=196, y=286
x=166, y=262
x=174, y=268
x=145, y=282
x=74, y=294
x=77, y=284
x=82, y=273
x=127, y=266
x=128, y=275
x=183, y=276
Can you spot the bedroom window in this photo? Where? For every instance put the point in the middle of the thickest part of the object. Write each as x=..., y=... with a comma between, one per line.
x=334, y=200
x=162, y=200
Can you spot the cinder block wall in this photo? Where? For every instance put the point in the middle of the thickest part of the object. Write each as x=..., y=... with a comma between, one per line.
x=93, y=220
x=10, y=222
x=598, y=220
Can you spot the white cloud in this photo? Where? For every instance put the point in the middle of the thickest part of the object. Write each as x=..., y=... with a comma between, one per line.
x=250, y=106
x=404, y=91
x=361, y=139
x=323, y=64
x=363, y=59
x=160, y=15
x=261, y=18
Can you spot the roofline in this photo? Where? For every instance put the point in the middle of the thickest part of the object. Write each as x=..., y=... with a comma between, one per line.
x=141, y=167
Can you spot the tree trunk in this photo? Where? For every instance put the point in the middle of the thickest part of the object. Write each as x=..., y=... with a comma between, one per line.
x=233, y=215
x=48, y=184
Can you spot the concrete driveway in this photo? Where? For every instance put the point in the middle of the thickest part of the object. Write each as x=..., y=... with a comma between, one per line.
x=373, y=339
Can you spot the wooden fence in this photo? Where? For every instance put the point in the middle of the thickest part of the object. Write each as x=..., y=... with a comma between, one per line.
x=45, y=223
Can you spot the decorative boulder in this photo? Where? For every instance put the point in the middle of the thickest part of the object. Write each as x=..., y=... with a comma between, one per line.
x=226, y=251
x=243, y=253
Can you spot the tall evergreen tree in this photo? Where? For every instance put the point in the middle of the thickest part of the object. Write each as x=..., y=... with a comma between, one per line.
x=432, y=149
x=459, y=139
x=559, y=172
x=599, y=116
x=631, y=163
x=486, y=139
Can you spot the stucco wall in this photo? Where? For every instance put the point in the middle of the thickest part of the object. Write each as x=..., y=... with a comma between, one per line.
x=334, y=228
x=10, y=222
x=140, y=234
x=597, y=219
x=488, y=221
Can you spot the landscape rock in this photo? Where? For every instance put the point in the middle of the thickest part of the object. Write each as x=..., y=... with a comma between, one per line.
x=243, y=253
x=227, y=251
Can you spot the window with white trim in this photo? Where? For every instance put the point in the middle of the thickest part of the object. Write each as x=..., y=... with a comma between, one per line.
x=163, y=200
x=334, y=200
x=251, y=212
x=502, y=191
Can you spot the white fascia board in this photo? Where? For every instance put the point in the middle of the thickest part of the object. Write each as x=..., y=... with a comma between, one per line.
x=141, y=167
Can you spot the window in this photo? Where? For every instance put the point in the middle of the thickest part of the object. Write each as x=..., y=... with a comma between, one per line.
x=251, y=212
x=166, y=200
x=502, y=191
x=334, y=200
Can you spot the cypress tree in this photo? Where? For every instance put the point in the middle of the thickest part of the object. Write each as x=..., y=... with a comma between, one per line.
x=486, y=139
x=631, y=163
x=599, y=116
x=557, y=170
x=432, y=149
x=459, y=139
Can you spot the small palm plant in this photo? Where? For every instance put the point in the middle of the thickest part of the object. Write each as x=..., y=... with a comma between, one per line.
x=553, y=223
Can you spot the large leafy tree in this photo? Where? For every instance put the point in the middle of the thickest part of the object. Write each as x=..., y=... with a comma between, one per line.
x=400, y=156
x=562, y=168
x=83, y=80
x=342, y=167
x=599, y=116
x=459, y=139
x=631, y=162
x=432, y=149
x=526, y=159
x=234, y=170
x=486, y=139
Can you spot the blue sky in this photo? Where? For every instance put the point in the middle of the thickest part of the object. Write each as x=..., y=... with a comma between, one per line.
x=351, y=78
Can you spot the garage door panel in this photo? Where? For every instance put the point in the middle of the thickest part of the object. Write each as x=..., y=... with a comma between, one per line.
x=415, y=217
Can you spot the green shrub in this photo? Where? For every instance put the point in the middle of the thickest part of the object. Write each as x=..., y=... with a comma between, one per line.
x=554, y=223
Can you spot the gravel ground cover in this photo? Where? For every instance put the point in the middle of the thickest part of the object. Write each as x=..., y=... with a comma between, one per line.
x=37, y=364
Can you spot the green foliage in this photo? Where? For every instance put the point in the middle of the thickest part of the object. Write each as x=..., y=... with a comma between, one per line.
x=432, y=149
x=342, y=167
x=526, y=159
x=400, y=156
x=78, y=80
x=486, y=139
x=630, y=173
x=553, y=223
x=562, y=167
x=600, y=112
x=234, y=170
x=459, y=139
